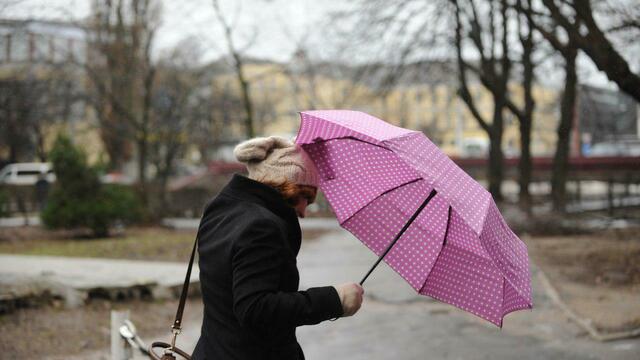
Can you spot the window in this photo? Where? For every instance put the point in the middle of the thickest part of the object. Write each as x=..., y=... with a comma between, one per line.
x=28, y=172
x=4, y=48
x=40, y=48
x=19, y=47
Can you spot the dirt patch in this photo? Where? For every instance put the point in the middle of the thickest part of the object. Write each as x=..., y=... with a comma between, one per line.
x=598, y=275
x=34, y=333
x=610, y=259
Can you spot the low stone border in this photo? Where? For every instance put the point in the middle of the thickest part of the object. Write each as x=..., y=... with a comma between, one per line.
x=583, y=322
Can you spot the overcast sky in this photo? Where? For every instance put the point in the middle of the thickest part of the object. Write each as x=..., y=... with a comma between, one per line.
x=276, y=23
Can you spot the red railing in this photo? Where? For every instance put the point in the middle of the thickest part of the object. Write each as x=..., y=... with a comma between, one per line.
x=576, y=163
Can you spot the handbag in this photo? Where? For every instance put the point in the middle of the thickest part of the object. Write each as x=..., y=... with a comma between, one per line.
x=170, y=350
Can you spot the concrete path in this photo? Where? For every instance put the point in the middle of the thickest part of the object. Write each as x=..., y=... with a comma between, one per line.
x=19, y=221
x=306, y=223
x=74, y=279
x=395, y=322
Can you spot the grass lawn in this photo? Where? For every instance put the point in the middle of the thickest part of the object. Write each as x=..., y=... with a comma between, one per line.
x=137, y=243
x=151, y=243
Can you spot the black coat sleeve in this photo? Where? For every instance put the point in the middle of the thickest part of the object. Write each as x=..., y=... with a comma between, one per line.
x=257, y=263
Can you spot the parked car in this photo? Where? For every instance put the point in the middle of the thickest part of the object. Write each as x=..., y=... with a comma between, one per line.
x=26, y=173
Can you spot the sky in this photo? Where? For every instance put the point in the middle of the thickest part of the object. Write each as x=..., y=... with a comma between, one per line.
x=277, y=24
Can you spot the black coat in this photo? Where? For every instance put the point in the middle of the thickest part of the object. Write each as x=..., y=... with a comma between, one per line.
x=248, y=242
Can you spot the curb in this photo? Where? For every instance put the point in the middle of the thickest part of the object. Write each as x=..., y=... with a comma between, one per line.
x=582, y=322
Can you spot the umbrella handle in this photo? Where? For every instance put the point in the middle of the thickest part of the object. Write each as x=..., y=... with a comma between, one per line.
x=404, y=228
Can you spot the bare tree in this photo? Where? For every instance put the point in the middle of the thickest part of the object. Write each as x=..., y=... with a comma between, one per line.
x=547, y=26
x=238, y=65
x=32, y=100
x=385, y=41
x=493, y=71
x=181, y=105
x=16, y=118
x=123, y=74
x=576, y=18
x=525, y=114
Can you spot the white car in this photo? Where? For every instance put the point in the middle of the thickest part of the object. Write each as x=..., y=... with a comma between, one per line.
x=26, y=173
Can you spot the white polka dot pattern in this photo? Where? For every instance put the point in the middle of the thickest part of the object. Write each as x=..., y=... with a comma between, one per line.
x=372, y=171
x=343, y=123
x=376, y=175
x=466, y=195
x=463, y=279
x=507, y=251
x=377, y=224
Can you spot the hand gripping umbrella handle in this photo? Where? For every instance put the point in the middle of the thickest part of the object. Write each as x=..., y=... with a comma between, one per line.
x=404, y=228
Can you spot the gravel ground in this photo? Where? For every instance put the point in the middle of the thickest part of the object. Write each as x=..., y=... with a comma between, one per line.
x=36, y=333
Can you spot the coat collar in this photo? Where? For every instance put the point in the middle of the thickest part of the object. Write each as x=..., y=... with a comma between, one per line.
x=245, y=188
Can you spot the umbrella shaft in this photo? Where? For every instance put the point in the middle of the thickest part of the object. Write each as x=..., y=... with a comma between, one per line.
x=404, y=228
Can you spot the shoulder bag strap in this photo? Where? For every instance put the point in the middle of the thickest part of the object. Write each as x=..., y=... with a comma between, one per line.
x=177, y=323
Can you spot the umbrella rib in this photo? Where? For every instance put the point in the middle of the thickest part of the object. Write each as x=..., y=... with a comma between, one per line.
x=446, y=230
x=404, y=228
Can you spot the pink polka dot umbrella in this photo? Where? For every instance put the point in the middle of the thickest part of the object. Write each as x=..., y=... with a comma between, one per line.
x=415, y=208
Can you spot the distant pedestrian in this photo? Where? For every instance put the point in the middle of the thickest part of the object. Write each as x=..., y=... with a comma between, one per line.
x=249, y=238
x=42, y=191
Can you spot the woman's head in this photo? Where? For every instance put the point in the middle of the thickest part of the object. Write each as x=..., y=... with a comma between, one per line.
x=283, y=165
x=297, y=196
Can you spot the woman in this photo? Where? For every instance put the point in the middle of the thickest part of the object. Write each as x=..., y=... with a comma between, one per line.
x=249, y=238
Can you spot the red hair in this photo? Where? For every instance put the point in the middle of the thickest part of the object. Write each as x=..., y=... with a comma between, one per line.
x=292, y=192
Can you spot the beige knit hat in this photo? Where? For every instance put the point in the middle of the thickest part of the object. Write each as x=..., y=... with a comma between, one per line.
x=276, y=159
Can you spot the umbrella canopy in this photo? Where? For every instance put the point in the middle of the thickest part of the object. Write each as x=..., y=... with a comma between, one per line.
x=413, y=206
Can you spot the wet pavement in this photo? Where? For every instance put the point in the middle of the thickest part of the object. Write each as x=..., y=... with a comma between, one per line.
x=395, y=322
x=74, y=279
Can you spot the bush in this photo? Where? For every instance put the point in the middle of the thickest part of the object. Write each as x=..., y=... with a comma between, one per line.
x=79, y=199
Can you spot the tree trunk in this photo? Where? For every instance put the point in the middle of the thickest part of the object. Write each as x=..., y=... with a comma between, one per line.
x=248, y=106
x=163, y=175
x=567, y=110
x=14, y=146
x=142, y=169
x=524, y=166
x=496, y=157
x=41, y=151
x=13, y=152
x=526, y=123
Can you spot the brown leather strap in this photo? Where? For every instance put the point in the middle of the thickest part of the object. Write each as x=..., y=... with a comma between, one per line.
x=177, y=323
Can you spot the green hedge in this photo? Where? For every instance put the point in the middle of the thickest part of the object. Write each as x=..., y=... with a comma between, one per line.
x=79, y=200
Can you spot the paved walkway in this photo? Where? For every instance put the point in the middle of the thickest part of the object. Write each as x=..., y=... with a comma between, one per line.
x=73, y=279
x=19, y=221
x=306, y=223
x=395, y=322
